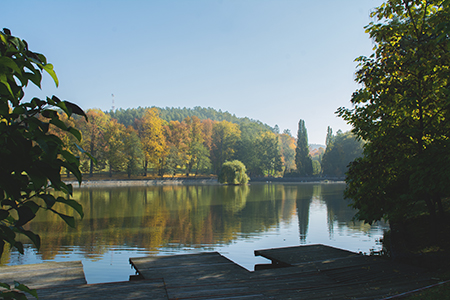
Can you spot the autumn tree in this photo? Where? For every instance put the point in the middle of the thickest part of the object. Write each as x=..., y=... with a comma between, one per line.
x=224, y=139
x=247, y=148
x=69, y=140
x=177, y=136
x=150, y=129
x=402, y=111
x=132, y=151
x=198, y=153
x=269, y=153
x=287, y=149
x=114, y=137
x=302, y=158
x=207, y=129
x=93, y=137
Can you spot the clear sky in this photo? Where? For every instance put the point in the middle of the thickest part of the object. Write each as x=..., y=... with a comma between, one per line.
x=276, y=61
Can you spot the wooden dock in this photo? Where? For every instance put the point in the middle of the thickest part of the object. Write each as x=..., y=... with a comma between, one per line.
x=302, y=272
x=307, y=272
x=44, y=275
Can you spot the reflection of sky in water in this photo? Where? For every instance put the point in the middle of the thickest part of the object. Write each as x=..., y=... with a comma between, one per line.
x=320, y=227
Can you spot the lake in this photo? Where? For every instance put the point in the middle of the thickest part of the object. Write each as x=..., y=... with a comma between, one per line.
x=124, y=222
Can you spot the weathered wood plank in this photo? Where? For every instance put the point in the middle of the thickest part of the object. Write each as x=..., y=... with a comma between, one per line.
x=250, y=287
x=189, y=267
x=314, y=272
x=304, y=254
x=43, y=275
x=141, y=289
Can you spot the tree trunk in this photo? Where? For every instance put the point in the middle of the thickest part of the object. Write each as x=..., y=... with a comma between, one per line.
x=434, y=224
x=441, y=210
x=91, y=169
x=397, y=233
x=91, y=166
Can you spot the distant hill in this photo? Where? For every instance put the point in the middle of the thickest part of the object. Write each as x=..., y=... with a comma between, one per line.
x=316, y=146
x=127, y=116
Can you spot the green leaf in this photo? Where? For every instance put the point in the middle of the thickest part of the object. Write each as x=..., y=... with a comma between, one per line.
x=7, y=234
x=69, y=157
x=32, y=205
x=36, y=239
x=48, y=199
x=5, y=285
x=3, y=214
x=75, y=132
x=58, y=123
x=26, y=214
x=24, y=288
x=68, y=219
x=35, y=77
x=8, y=295
x=48, y=113
x=43, y=144
x=3, y=38
x=72, y=203
x=51, y=72
x=61, y=105
x=66, y=188
x=75, y=109
x=19, y=247
x=87, y=153
x=4, y=80
x=19, y=110
x=10, y=63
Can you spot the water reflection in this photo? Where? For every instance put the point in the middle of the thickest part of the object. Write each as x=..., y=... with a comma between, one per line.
x=180, y=219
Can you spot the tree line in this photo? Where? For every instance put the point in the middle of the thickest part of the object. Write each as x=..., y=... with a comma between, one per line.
x=171, y=141
x=150, y=144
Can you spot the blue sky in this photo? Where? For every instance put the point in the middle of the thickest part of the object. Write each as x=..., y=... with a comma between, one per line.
x=275, y=61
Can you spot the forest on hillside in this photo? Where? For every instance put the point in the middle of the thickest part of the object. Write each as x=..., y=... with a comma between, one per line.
x=193, y=141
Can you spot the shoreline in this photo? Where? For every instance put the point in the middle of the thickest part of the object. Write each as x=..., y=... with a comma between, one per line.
x=192, y=181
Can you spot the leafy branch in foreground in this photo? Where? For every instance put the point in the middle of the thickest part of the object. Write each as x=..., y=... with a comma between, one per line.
x=402, y=111
x=31, y=157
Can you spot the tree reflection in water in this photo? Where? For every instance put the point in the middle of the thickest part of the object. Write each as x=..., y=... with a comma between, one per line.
x=179, y=219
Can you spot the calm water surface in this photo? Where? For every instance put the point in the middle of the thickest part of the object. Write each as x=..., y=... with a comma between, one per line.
x=126, y=222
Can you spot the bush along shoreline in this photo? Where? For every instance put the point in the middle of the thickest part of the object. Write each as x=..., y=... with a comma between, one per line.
x=211, y=180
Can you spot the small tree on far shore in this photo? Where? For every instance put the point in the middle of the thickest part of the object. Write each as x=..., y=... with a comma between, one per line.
x=233, y=172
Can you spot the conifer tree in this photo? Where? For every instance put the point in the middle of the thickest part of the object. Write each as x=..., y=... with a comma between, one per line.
x=302, y=158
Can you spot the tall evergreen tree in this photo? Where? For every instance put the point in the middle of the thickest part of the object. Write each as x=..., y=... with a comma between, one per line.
x=302, y=157
x=329, y=138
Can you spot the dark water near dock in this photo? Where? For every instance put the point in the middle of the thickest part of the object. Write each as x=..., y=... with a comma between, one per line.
x=124, y=222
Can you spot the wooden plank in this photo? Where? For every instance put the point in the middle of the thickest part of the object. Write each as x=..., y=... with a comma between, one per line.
x=44, y=275
x=314, y=272
x=304, y=254
x=189, y=267
x=140, y=289
x=250, y=287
